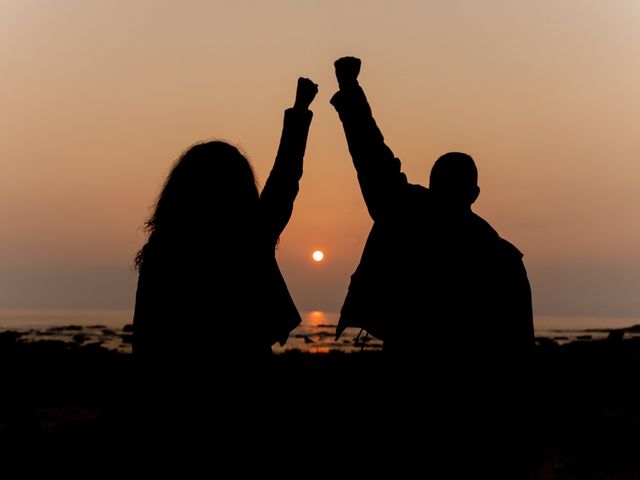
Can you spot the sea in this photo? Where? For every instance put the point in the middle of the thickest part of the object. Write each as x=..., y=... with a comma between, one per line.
x=112, y=329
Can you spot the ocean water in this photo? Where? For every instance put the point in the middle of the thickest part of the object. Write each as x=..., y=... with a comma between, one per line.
x=316, y=334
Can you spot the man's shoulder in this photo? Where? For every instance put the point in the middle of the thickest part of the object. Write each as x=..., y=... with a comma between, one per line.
x=417, y=194
x=509, y=248
x=483, y=227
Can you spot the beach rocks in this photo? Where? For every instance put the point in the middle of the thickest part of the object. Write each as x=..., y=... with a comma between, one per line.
x=10, y=336
x=70, y=336
x=545, y=342
x=615, y=336
x=80, y=338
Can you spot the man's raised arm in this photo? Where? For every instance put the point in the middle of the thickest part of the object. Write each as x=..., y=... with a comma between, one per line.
x=379, y=174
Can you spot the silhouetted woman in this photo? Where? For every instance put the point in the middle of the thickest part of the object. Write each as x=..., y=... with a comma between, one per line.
x=209, y=289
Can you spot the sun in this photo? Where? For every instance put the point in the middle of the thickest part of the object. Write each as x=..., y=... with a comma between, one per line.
x=318, y=256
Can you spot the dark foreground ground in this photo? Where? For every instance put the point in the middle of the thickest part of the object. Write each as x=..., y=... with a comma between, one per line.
x=581, y=420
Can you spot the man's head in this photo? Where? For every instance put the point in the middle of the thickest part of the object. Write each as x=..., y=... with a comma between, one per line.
x=454, y=180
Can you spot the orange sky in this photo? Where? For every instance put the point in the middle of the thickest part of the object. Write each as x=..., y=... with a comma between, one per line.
x=99, y=97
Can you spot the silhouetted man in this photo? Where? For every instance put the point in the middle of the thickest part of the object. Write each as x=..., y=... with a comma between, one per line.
x=434, y=277
x=448, y=296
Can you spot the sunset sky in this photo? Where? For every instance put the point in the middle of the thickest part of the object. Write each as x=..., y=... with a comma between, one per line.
x=98, y=98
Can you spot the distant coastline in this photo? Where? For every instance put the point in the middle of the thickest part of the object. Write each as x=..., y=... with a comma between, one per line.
x=111, y=329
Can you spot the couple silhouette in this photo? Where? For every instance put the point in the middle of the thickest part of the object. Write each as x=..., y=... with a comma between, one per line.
x=432, y=271
x=447, y=295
